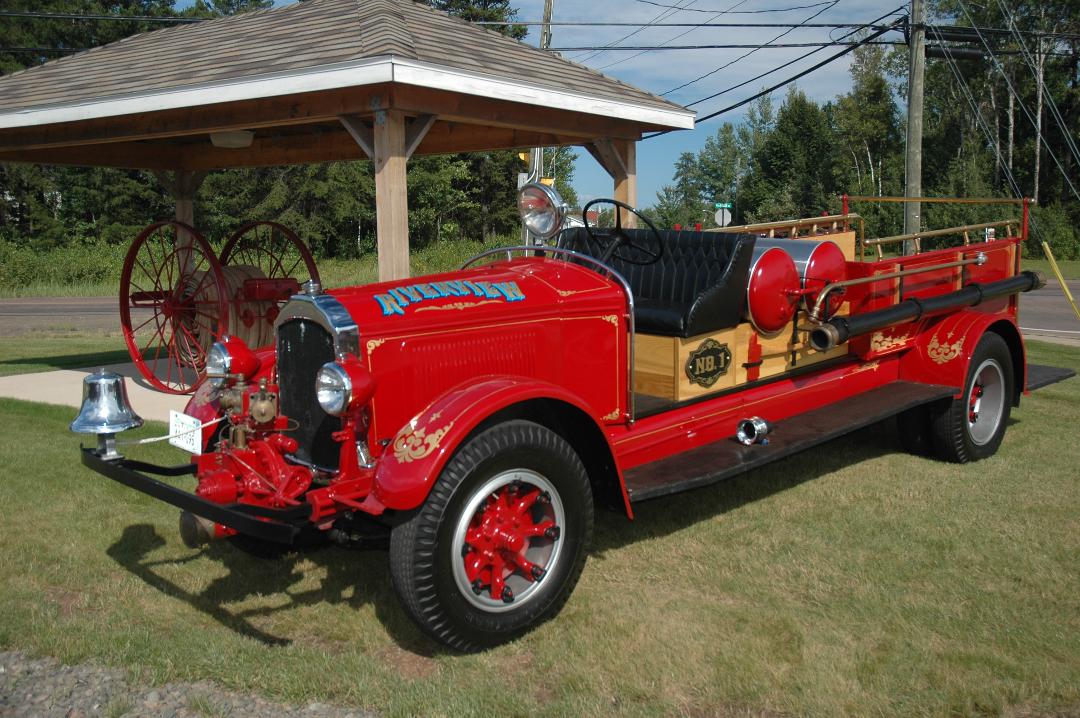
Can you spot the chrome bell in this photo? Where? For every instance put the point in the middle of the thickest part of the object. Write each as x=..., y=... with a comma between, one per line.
x=105, y=411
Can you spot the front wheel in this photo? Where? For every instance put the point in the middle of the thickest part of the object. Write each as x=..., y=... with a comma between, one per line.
x=501, y=540
x=972, y=427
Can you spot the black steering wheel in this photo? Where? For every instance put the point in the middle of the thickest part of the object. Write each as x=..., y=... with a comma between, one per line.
x=616, y=237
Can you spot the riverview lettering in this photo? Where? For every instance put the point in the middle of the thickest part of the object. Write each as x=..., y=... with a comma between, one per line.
x=396, y=299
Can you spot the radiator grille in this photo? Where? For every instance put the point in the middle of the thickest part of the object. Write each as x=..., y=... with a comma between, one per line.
x=302, y=348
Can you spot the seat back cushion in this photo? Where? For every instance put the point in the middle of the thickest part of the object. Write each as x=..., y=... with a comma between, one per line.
x=698, y=284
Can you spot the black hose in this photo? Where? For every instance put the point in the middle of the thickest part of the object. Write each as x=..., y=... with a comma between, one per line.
x=839, y=329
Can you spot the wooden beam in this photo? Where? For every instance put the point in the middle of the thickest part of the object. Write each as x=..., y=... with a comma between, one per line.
x=391, y=195
x=361, y=133
x=129, y=155
x=604, y=151
x=305, y=108
x=500, y=113
x=415, y=132
x=320, y=145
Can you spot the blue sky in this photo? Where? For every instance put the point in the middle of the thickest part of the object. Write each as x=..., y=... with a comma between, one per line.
x=660, y=71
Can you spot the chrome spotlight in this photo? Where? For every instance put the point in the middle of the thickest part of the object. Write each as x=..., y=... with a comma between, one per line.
x=105, y=411
x=753, y=431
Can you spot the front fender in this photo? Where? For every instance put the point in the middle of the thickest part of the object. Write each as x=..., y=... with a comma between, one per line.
x=420, y=449
x=943, y=352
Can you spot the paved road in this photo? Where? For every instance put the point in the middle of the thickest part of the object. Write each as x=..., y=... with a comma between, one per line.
x=32, y=314
x=1044, y=314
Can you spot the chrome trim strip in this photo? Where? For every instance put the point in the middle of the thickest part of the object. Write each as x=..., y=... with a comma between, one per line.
x=329, y=313
x=614, y=274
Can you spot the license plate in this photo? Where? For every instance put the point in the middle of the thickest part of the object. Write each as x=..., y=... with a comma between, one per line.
x=185, y=432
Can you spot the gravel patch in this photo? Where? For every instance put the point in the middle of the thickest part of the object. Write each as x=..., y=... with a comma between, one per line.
x=46, y=688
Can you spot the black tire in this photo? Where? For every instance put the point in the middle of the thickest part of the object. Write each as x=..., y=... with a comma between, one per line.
x=914, y=429
x=972, y=427
x=429, y=551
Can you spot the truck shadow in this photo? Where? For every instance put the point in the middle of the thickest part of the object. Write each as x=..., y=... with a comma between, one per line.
x=352, y=576
x=360, y=576
x=662, y=516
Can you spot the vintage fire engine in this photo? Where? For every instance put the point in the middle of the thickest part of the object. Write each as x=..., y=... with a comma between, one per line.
x=476, y=416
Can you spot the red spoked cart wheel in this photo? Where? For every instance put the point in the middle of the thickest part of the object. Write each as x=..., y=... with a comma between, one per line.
x=272, y=248
x=173, y=305
x=264, y=263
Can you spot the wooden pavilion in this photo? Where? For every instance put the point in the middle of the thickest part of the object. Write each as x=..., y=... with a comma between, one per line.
x=317, y=81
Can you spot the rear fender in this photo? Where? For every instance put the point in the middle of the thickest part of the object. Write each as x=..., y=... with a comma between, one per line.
x=942, y=354
x=420, y=449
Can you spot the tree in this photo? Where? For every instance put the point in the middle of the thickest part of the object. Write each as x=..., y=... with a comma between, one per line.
x=484, y=11
x=793, y=169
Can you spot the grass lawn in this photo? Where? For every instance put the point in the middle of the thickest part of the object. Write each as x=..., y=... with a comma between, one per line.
x=1070, y=268
x=852, y=579
x=64, y=349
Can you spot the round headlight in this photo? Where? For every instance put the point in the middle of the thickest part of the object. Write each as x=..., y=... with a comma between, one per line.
x=218, y=363
x=333, y=388
x=541, y=209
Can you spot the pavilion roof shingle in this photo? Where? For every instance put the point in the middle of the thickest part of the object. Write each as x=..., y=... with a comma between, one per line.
x=300, y=37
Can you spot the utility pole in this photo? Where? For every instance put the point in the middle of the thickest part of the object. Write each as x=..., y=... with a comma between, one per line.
x=536, y=159
x=536, y=155
x=913, y=164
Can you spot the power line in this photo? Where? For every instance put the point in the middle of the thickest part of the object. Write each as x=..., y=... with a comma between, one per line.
x=744, y=46
x=778, y=85
x=660, y=16
x=786, y=64
x=1027, y=113
x=748, y=54
x=1062, y=125
x=676, y=37
x=833, y=25
x=75, y=16
x=742, y=12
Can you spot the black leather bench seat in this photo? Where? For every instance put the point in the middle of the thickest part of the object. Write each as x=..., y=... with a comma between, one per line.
x=697, y=286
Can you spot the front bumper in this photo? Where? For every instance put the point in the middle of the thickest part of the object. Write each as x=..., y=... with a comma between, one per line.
x=277, y=525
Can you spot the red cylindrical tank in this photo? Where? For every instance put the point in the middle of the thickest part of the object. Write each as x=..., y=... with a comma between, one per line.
x=772, y=293
x=818, y=262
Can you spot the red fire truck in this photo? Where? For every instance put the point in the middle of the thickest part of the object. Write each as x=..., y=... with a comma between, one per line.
x=477, y=416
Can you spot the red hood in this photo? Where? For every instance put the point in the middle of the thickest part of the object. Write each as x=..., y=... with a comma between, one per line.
x=523, y=288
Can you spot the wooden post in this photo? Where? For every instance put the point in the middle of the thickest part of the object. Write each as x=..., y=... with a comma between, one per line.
x=391, y=195
x=626, y=181
x=619, y=158
x=182, y=185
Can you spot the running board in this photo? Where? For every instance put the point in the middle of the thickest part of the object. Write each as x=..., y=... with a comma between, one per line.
x=1040, y=375
x=727, y=458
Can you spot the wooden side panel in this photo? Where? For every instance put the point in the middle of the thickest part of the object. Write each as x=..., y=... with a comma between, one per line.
x=844, y=240
x=654, y=362
x=688, y=389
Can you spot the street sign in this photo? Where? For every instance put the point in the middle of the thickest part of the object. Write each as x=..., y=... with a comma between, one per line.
x=722, y=217
x=723, y=205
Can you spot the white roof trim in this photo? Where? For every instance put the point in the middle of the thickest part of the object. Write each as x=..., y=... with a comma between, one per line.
x=357, y=73
x=413, y=72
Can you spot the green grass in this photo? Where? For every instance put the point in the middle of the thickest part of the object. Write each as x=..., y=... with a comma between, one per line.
x=1070, y=268
x=852, y=579
x=61, y=349
x=21, y=280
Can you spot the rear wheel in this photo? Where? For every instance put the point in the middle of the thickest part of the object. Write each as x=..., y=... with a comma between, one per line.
x=501, y=540
x=972, y=427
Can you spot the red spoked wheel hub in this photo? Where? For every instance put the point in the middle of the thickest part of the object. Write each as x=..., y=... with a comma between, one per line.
x=275, y=254
x=507, y=539
x=172, y=305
